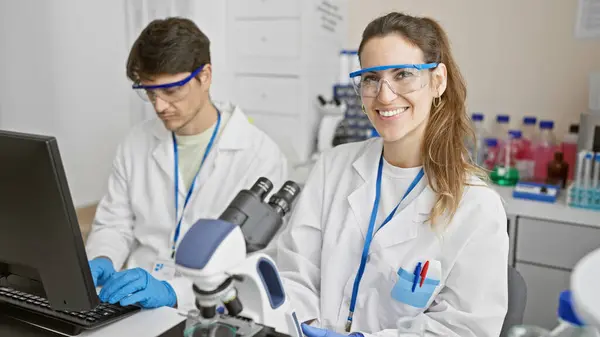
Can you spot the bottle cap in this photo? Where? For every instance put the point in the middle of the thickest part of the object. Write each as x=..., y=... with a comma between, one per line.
x=502, y=118
x=558, y=156
x=516, y=134
x=565, y=309
x=546, y=124
x=491, y=142
x=574, y=128
x=529, y=120
x=477, y=116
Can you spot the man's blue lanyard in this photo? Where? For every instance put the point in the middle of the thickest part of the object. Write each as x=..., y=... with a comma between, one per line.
x=370, y=234
x=189, y=194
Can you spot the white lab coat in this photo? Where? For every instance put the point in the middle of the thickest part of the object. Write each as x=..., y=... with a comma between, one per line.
x=320, y=250
x=135, y=221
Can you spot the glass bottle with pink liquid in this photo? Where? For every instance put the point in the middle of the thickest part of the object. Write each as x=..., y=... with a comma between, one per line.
x=526, y=163
x=490, y=151
x=544, y=150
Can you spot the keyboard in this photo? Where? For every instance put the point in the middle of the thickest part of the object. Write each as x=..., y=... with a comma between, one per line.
x=35, y=309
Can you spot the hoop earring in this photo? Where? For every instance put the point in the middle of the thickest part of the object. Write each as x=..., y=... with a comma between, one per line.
x=439, y=101
x=363, y=109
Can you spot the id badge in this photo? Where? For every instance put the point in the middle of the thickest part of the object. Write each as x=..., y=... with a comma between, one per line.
x=163, y=269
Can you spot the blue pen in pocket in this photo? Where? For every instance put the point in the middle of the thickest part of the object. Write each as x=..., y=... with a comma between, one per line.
x=416, y=278
x=410, y=290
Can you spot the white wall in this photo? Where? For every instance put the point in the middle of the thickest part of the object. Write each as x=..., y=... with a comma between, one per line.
x=518, y=57
x=63, y=74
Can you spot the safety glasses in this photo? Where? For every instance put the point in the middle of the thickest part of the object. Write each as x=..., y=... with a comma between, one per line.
x=168, y=92
x=400, y=78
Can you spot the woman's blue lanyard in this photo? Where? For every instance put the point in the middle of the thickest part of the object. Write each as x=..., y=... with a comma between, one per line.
x=370, y=234
x=189, y=194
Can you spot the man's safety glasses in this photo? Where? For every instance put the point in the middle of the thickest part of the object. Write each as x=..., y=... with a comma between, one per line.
x=401, y=79
x=168, y=92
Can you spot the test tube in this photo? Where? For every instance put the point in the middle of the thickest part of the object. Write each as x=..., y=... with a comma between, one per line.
x=589, y=158
x=596, y=177
x=587, y=174
x=579, y=177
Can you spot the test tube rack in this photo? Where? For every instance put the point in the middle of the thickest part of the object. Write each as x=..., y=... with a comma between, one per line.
x=356, y=126
x=588, y=198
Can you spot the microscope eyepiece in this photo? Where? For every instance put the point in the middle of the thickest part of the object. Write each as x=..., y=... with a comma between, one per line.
x=262, y=187
x=282, y=201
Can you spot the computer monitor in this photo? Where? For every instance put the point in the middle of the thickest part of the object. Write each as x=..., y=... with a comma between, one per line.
x=41, y=248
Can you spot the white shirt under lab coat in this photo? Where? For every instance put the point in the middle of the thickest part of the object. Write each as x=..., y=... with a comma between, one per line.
x=319, y=252
x=135, y=221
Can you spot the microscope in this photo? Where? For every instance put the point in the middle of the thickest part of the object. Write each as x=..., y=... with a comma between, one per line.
x=223, y=258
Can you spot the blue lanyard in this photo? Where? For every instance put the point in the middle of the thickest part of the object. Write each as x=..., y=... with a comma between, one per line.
x=365, y=253
x=189, y=194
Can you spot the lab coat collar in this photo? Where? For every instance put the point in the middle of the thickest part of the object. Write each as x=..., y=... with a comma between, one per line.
x=404, y=226
x=235, y=136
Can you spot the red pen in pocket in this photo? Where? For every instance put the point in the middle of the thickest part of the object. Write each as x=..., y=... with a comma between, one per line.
x=424, y=273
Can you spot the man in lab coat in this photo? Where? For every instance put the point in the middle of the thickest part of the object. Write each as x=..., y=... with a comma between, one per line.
x=171, y=171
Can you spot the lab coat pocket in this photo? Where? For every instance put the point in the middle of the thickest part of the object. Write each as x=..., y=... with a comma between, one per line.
x=415, y=293
x=397, y=298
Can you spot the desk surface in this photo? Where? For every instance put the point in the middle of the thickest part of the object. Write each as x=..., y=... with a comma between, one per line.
x=558, y=211
x=147, y=323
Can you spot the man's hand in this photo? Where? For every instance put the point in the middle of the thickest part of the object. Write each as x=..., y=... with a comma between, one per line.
x=102, y=269
x=138, y=286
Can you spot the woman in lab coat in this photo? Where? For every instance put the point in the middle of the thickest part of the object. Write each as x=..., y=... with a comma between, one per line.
x=187, y=164
x=397, y=235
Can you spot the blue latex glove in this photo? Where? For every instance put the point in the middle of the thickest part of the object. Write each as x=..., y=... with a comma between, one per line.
x=311, y=331
x=102, y=269
x=138, y=286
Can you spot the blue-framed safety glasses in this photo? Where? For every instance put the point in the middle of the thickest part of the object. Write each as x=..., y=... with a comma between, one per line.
x=168, y=92
x=400, y=78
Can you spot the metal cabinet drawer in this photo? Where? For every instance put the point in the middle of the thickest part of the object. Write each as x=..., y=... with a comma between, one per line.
x=266, y=46
x=275, y=95
x=264, y=8
x=554, y=244
x=279, y=38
